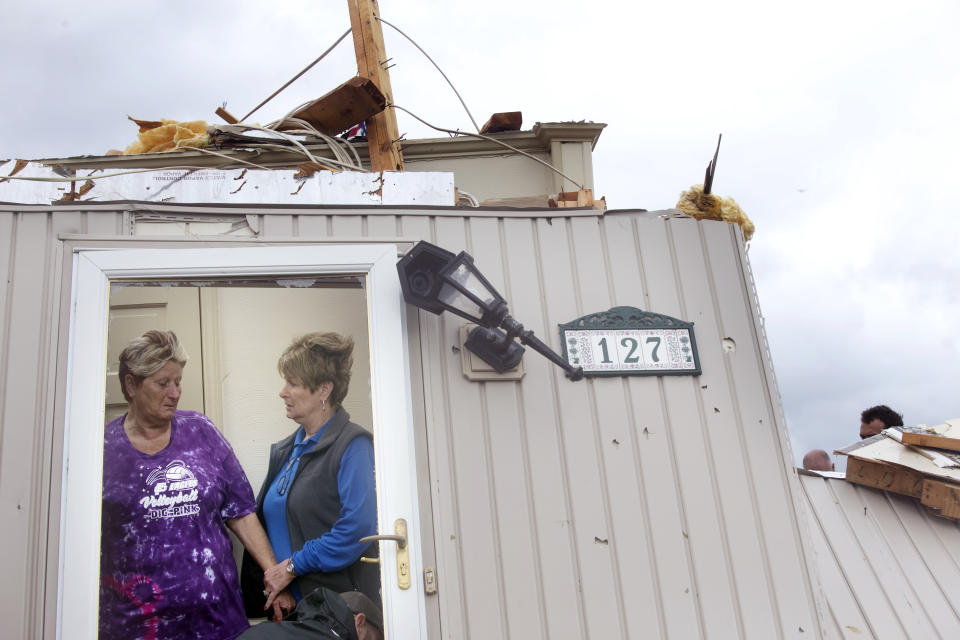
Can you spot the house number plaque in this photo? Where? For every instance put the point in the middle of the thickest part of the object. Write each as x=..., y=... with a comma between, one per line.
x=626, y=341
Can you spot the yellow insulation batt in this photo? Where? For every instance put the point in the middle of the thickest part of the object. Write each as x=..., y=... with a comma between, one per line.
x=697, y=204
x=168, y=135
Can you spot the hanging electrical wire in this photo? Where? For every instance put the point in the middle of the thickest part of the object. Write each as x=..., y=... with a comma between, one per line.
x=457, y=132
x=294, y=78
x=414, y=43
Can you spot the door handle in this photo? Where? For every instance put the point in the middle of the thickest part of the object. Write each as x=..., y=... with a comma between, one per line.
x=403, y=553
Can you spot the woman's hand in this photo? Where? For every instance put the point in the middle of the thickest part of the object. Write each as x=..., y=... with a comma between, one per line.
x=276, y=578
x=283, y=603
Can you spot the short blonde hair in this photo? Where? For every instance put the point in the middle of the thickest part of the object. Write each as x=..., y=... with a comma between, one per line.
x=315, y=358
x=144, y=356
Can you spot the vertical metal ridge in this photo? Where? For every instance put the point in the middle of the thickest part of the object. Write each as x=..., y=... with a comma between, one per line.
x=855, y=490
x=595, y=429
x=43, y=427
x=493, y=505
x=849, y=531
x=639, y=476
x=923, y=553
x=816, y=521
x=708, y=445
x=561, y=439
x=450, y=451
x=6, y=281
x=671, y=447
x=774, y=404
x=525, y=451
x=494, y=509
x=747, y=474
x=895, y=556
x=531, y=517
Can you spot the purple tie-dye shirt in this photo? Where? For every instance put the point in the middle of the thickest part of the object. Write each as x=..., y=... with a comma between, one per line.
x=166, y=565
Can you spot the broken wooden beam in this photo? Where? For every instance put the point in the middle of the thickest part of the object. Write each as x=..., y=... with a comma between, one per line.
x=882, y=475
x=383, y=138
x=942, y=497
x=351, y=103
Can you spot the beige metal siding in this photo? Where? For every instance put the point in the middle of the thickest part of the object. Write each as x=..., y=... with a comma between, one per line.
x=609, y=508
x=624, y=507
x=889, y=568
x=30, y=446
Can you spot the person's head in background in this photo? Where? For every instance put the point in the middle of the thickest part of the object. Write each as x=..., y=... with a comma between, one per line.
x=817, y=460
x=366, y=615
x=876, y=419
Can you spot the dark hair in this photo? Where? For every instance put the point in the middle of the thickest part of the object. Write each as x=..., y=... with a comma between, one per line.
x=145, y=355
x=884, y=414
x=316, y=358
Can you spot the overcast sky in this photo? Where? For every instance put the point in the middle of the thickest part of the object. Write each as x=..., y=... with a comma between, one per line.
x=840, y=125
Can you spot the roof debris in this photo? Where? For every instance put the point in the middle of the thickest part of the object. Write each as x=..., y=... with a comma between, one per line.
x=707, y=206
x=505, y=121
x=932, y=476
x=168, y=135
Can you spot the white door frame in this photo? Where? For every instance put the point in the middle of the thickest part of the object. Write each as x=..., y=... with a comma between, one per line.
x=93, y=269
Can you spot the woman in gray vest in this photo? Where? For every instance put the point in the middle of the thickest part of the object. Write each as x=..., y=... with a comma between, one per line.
x=319, y=497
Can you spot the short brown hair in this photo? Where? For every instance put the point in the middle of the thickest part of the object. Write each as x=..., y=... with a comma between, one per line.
x=315, y=358
x=147, y=354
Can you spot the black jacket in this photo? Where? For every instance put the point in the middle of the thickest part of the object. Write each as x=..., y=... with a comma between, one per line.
x=320, y=614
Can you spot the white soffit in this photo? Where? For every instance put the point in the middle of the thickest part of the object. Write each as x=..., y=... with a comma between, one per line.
x=235, y=186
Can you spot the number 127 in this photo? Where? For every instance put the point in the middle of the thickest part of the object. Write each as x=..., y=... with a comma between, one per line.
x=630, y=343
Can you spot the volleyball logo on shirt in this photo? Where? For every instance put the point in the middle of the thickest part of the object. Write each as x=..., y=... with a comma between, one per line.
x=172, y=492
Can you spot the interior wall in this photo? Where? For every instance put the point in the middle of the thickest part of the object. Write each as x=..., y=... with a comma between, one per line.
x=255, y=325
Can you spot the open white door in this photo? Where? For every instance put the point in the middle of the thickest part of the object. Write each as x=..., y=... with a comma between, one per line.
x=404, y=610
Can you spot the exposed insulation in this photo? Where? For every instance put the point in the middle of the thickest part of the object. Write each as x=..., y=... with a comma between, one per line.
x=168, y=135
x=707, y=206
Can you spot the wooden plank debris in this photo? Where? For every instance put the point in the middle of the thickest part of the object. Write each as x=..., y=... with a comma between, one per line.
x=351, y=103
x=930, y=476
x=882, y=475
x=946, y=436
x=228, y=117
x=581, y=198
x=504, y=121
x=943, y=497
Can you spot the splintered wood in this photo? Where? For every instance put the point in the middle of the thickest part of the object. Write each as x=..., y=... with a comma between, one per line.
x=880, y=475
x=942, y=497
x=886, y=462
x=581, y=198
x=354, y=101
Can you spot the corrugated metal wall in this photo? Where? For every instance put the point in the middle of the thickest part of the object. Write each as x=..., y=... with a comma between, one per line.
x=890, y=569
x=30, y=445
x=617, y=507
x=608, y=508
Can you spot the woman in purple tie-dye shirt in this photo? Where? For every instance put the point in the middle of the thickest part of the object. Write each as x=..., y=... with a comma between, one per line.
x=171, y=487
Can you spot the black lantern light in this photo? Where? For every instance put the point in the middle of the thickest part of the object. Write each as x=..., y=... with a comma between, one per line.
x=436, y=280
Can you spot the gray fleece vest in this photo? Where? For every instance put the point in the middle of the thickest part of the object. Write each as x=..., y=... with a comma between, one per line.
x=313, y=503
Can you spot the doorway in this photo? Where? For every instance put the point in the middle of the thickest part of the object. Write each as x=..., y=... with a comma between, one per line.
x=388, y=398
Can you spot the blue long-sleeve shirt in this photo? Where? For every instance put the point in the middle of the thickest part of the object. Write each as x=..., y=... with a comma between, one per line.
x=339, y=547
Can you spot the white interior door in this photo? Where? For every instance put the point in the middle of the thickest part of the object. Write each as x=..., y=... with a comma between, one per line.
x=391, y=411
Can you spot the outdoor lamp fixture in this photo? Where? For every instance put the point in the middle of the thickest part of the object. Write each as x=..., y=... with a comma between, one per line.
x=436, y=280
